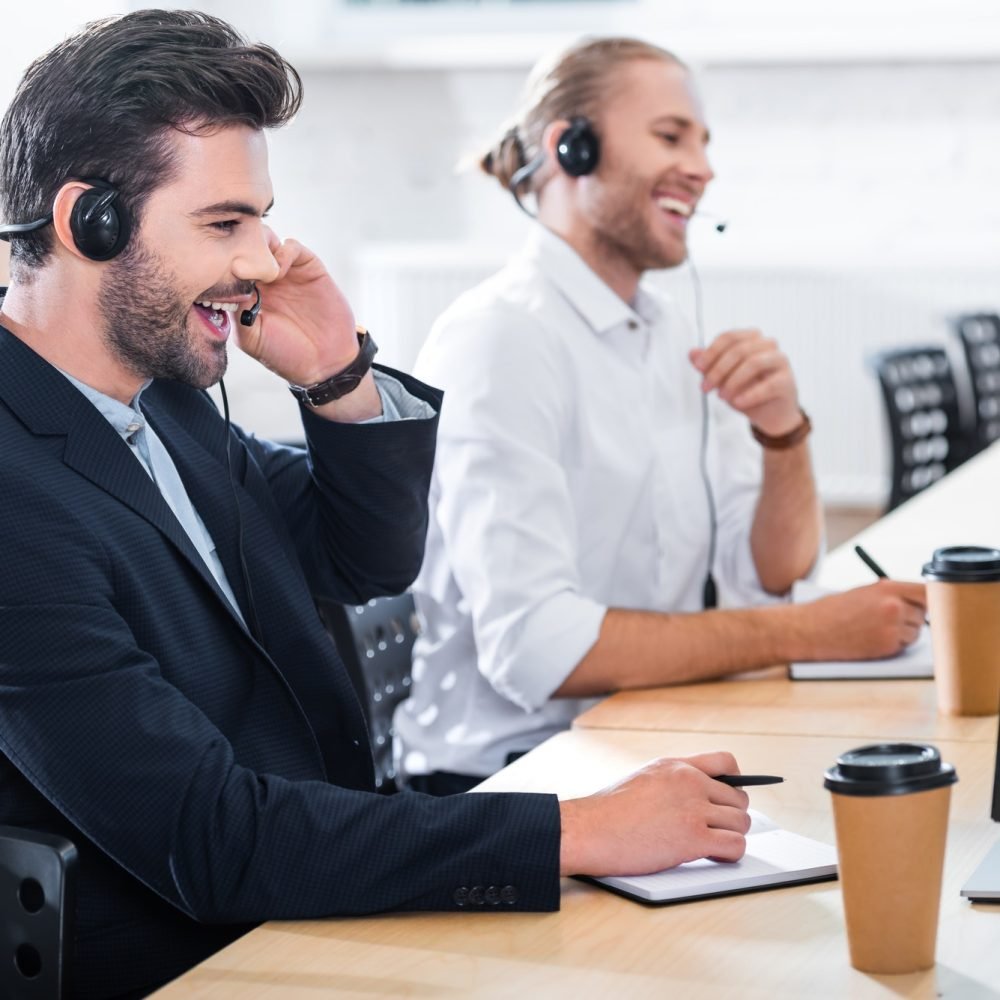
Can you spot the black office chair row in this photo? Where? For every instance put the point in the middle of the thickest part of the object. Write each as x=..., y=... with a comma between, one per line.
x=928, y=434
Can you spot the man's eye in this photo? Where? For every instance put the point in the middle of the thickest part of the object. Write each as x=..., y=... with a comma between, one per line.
x=671, y=138
x=226, y=226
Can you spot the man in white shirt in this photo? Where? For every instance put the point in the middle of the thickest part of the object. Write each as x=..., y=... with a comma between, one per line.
x=598, y=484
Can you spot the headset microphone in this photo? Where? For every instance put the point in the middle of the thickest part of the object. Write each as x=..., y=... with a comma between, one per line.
x=249, y=316
x=720, y=224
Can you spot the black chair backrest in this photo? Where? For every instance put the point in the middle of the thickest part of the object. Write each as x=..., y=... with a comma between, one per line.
x=921, y=403
x=979, y=334
x=36, y=908
x=375, y=641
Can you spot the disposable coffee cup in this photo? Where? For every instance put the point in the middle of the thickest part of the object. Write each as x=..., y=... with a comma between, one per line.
x=890, y=810
x=963, y=603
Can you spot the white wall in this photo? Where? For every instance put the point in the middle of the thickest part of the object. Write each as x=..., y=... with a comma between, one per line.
x=859, y=138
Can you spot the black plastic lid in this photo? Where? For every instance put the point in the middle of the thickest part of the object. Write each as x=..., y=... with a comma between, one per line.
x=963, y=564
x=889, y=769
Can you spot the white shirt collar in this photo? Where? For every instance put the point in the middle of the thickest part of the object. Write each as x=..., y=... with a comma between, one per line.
x=599, y=306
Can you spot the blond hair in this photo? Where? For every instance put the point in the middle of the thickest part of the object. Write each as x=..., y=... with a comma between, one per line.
x=575, y=82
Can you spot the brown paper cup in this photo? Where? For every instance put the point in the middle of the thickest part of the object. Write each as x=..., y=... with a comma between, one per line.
x=965, y=638
x=891, y=857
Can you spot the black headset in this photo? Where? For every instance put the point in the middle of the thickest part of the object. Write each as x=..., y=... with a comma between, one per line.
x=100, y=223
x=577, y=151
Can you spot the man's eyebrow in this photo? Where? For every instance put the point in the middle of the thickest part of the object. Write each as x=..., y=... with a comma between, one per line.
x=681, y=122
x=232, y=208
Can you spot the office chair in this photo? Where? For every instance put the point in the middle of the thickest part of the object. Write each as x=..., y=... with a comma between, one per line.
x=979, y=334
x=375, y=640
x=36, y=908
x=921, y=404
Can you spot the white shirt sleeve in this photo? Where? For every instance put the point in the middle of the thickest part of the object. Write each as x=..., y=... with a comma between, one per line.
x=505, y=515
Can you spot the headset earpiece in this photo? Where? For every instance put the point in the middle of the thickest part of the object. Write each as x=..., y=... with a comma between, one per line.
x=578, y=148
x=99, y=222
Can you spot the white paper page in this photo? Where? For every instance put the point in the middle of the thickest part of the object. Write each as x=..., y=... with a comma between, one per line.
x=917, y=660
x=774, y=856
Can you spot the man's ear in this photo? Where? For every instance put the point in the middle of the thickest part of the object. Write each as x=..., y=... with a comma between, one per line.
x=62, y=211
x=550, y=138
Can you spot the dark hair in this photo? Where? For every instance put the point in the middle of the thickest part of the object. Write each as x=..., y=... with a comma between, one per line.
x=573, y=82
x=101, y=104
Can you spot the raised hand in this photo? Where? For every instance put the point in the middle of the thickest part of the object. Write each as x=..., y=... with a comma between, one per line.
x=751, y=373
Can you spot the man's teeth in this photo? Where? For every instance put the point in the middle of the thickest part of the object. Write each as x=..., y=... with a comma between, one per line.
x=675, y=205
x=229, y=307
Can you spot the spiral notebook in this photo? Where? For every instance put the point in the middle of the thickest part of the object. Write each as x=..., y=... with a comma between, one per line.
x=774, y=857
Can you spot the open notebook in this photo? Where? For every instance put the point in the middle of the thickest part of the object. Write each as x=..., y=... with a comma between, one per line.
x=915, y=661
x=774, y=857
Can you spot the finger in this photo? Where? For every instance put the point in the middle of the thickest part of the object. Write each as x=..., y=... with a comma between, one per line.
x=725, y=845
x=752, y=371
x=913, y=614
x=713, y=762
x=286, y=254
x=728, y=818
x=723, y=343
x=730, y=805
x=723, y=366
x=912, y=593
x=769, y=389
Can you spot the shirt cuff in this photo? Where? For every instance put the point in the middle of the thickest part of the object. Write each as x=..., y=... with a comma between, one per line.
x=397, y=403
x=549, y=645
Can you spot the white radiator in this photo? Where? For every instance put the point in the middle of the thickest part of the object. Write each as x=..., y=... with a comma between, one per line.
x=828, y=320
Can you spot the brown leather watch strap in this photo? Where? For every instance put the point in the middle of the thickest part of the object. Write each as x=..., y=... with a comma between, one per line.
x=342, y=382
x=779, y=442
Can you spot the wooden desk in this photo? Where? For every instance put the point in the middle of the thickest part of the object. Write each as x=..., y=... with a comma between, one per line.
x=768, y=702
x=963, y=508
x=781, y=943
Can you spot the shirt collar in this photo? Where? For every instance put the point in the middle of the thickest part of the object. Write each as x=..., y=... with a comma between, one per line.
x=126, y=419
x=600, y=307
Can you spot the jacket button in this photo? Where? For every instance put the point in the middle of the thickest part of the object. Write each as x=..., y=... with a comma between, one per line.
x=476, y=895
x=508, y=894
x=461, y=895
x=493, y=895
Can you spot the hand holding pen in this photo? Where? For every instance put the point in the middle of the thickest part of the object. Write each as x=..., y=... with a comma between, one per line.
x=875, y=568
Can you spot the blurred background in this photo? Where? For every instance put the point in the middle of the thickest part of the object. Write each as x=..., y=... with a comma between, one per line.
x=856, y=145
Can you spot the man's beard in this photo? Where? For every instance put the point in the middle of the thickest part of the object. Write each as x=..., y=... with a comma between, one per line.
x=621, y=223
x=146, y=325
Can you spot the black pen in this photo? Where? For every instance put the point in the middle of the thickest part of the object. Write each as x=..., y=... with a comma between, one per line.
x=876, y=569
x=870, y=563
x=739, y=780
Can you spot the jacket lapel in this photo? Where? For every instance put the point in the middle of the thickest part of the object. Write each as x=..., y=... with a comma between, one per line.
x=48, y=404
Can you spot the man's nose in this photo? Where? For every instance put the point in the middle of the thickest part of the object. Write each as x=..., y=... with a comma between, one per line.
x=255, y=262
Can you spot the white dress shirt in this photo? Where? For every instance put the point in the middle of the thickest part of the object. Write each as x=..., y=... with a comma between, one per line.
x=566, y=482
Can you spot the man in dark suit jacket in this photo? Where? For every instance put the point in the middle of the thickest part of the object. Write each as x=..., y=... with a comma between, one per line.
x=169, y=699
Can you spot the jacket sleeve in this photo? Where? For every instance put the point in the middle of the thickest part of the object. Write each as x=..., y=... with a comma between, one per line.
x=93, y=721
x=356, y=504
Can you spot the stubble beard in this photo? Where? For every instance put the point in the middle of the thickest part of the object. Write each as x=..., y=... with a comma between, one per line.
x=621, y=223
x=146, y=324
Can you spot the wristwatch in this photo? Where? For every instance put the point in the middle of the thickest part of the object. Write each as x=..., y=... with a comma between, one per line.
x=779, y=442
x=345, y=381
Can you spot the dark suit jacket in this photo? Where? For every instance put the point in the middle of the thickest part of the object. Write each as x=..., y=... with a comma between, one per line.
x=210, y=780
